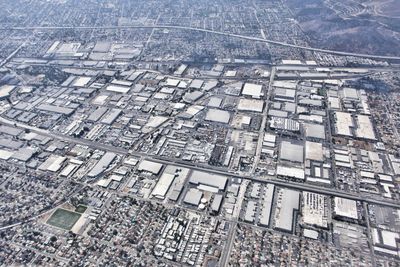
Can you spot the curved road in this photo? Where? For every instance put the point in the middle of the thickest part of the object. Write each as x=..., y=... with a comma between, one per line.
x=257, y=39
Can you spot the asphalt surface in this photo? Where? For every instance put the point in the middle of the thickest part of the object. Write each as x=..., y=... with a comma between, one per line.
x=207, y=168
x=272, y=42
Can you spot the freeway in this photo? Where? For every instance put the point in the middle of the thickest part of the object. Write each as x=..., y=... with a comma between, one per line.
x=206, y=168
x=66, y=138
x=187, y=28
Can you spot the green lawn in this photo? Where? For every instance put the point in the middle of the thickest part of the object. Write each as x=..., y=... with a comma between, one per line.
x=64, y=219
x=80, y=209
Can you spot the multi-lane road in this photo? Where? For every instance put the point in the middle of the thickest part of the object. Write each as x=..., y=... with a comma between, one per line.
x=187, y=28
x=204, y=167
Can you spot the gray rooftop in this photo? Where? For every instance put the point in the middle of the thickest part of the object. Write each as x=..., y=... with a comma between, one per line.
x=291, y=152
x=193, y=197
x=213, y=180
x=102, y=164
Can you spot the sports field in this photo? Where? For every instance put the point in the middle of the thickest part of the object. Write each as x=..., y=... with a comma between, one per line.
x=64, y=219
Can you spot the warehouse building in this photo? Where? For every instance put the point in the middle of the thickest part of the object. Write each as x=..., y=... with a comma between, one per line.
x=163, y=185
x=266, y=205
x=251, y=105
x=291, y=152
x=56, y=109
x=282, y=94
x=287, y=207
x=216, y=203
x=52, y=163
x=365, y=128
x=250, y=212
x=314, y=209
x=314, y=151
x=102, y=164
x=150, y=167
x=314, y=130
x=6, y=90
x=345, y=208
x=252, y=90
x=97, y=114
x=217, y=115
x=208, y=182
x=344, y=124
x=193, y=197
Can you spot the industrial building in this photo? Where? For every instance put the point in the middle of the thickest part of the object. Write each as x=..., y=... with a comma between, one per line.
x=314, y=151
x=287, y=206
x=6, y=90
x=314, y=209
x=163, y=185
x=291, y=152
x=150, y=167
x=345, y=208
x=102, y=164
x=216, y=203
x=282, y=94
x=208, y=182
x=252, y=90
x=344, y=123
x=217, y=115
x=193, y=197
x=266, y=205
x=250, y=211
x=250, y=105
x=364, y=129
x=52, y=163
x=314, y=130
x=290, y=172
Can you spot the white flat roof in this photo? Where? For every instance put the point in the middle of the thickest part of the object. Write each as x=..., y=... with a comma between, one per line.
x=5, y=155
x=290, y=202
x=172, y=82
x=314, y=130
x=364, y=127
x=314, y=212
x=163, y=185
x=150, y=166
x=251, y=89
x=251, y=105
x=389, y=238
x=310, y=233
x=291, y=152
x=218, y=115
x=344, y=123
x=346, y=207
x=285, y=84
x=102, y=164
x=193, y=110
x=81, y=81
x=193, y=197
x=118, y=89
x=214, y=102
x=290, y=172
x=52, y=163
x=314, y=151
x=214, y=180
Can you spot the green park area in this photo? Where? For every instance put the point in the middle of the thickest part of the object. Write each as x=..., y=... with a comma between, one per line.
x=64, y=219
